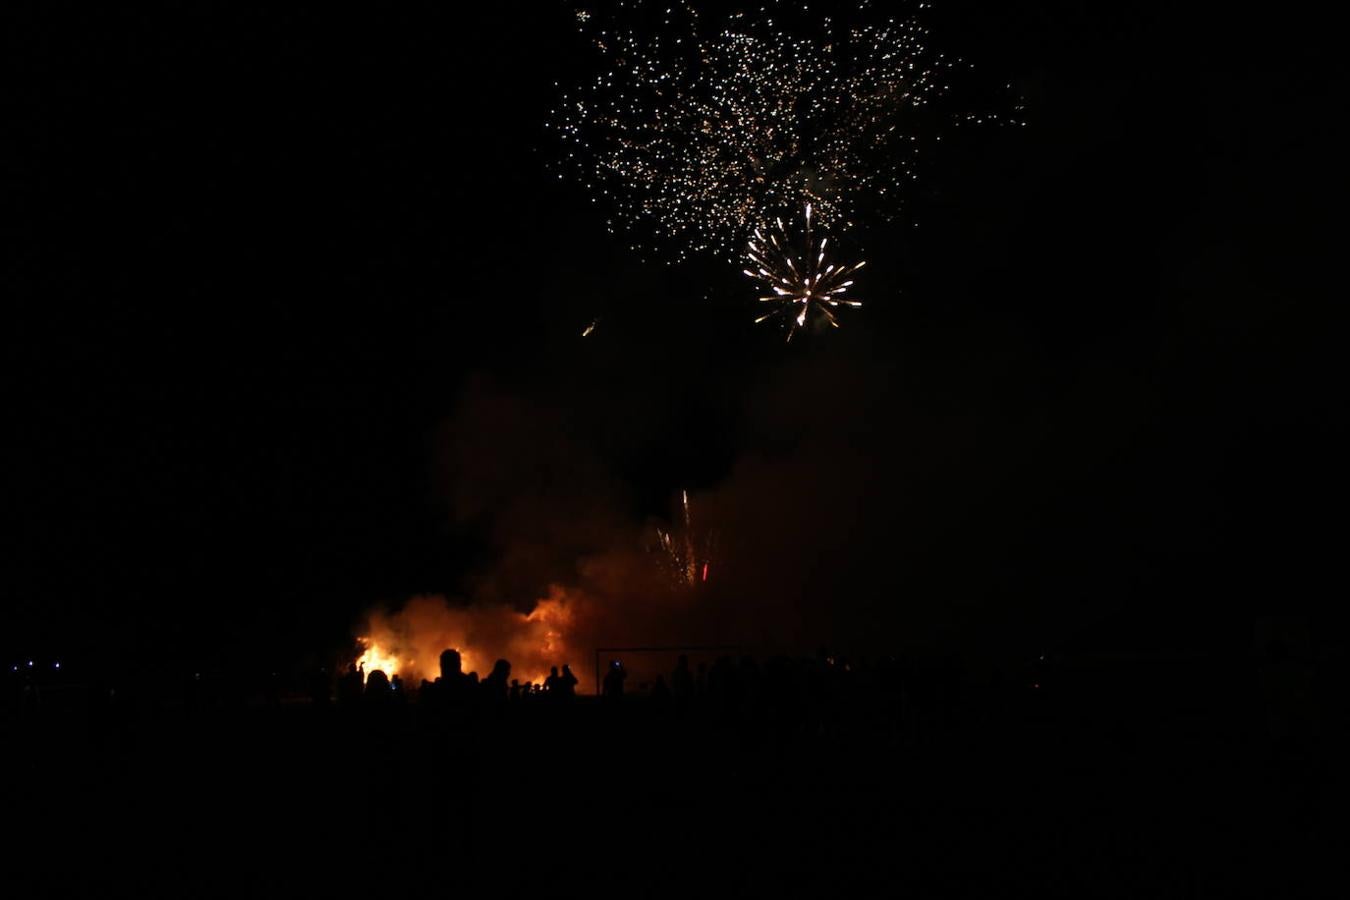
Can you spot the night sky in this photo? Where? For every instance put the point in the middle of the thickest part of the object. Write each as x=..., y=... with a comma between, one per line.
x=294, y=302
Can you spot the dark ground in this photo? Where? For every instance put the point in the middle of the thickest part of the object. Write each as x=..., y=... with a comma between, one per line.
x=1008, y=792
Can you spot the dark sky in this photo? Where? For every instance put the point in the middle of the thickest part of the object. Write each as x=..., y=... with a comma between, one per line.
x=259, y=262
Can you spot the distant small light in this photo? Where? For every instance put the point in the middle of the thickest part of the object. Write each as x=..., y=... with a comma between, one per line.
x=1037, y=685
x=56, y=665
x=30, y=664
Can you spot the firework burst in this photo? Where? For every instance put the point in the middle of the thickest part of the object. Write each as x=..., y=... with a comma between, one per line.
x=803, y=281
x=693, y=130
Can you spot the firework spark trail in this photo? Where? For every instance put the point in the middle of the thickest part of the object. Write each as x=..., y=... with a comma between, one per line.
x=695, y=136
x=803, y=280
x=689, y=557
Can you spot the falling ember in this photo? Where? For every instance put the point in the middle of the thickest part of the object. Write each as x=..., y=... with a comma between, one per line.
x=586, y=332
x=803, y=281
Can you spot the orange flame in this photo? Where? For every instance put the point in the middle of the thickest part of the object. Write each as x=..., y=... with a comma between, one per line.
x=409, y=642
x=376, y=657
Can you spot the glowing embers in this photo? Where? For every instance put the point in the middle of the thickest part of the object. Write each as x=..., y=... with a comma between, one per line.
x=806, y=285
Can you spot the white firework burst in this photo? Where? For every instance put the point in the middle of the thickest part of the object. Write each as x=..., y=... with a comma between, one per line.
x=804, y=282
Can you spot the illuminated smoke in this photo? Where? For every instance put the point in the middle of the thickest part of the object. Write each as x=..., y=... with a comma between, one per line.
x=409, y=641
x=568, y=566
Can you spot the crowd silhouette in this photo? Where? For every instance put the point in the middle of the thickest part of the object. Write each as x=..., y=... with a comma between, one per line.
x=816, y=751
x=819, y=694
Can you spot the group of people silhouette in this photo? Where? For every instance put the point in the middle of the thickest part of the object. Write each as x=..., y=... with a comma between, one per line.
x=453, y=688
x=820, y=693
x=820, y=689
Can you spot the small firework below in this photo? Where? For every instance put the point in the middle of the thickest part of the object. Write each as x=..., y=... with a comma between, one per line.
x=586, y=332
x=685, y=556
x=804, y=282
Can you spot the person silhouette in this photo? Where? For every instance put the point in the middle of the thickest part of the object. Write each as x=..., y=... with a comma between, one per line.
x=350, y=686
x=453, y=686
x=567, y=683
x=377, y=688
x=613, y=684
x=495, y=684
x=451, y=665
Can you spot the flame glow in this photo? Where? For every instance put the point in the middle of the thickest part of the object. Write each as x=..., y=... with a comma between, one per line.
x=409, y=642
x=376, y=657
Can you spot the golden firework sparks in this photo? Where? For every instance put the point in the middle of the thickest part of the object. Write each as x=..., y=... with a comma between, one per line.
x=803, y=281
x=700, y=122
